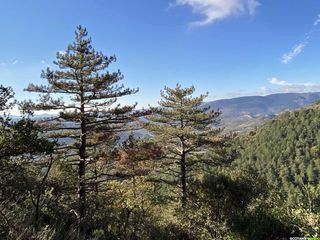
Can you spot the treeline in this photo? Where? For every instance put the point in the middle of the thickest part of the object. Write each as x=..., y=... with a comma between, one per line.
x=70, y=176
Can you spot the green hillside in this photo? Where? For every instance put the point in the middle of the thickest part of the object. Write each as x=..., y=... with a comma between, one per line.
x=286, y=151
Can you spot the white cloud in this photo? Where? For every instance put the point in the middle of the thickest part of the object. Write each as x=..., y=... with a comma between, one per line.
x=276, y=81
x=295, y=51
x=316, y=23
x=15, y=62
x=263, y=88
x=214, y=10
x=293, y=87
x=277, y=86
x=43, y=62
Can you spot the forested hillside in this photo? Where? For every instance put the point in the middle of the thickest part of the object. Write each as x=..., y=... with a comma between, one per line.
x=286, y=152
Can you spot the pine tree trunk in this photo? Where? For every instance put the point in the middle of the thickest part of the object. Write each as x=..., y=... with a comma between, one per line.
x=183, y=180
x=183, y=166
x=82, y=171
x=38, y=197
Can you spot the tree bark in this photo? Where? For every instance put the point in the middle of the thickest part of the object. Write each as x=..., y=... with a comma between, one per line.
x=82, y=171
x=183, y=165
x=183, y=180
x=39, y=193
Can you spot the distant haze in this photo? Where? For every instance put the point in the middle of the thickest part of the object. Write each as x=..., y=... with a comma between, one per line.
x=242, y=114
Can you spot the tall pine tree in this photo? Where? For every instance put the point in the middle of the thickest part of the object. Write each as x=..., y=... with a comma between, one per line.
x=184, y=127
x=86, y=95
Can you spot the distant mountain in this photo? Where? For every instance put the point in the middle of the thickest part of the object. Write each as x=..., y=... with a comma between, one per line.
x=244, y=113
x=34, y=117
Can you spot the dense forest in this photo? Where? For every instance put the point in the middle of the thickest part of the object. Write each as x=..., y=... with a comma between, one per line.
x=75, y=176
x=285, y=152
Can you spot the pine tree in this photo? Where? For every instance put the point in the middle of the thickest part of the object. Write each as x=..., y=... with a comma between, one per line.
x=25, y=162
x=184, y=127
x=86, y=95
x=6, y=101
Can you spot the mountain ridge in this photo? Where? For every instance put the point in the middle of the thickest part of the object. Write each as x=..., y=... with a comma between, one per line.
x=243, y=114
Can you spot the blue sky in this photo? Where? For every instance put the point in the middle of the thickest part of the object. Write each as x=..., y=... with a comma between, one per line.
x=227, y=47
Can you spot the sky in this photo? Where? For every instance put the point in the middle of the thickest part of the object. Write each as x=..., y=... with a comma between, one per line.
x=229, y=48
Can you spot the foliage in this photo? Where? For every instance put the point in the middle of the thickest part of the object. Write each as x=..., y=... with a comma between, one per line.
x=285, y=152
x=86, y=94
x=186, y=128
